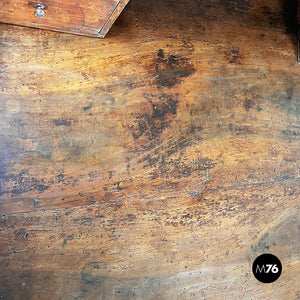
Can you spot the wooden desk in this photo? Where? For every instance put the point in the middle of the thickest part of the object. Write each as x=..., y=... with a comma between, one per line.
x=93, y=18
x=157, y=163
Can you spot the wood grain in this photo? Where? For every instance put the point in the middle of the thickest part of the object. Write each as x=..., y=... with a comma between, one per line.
x=157, y=163
x=92, y=18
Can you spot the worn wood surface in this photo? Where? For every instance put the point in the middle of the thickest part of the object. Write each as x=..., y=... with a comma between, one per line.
x=157, y=163
x=92, y=18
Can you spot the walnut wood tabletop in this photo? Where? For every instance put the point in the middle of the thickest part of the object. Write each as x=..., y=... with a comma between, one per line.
x=157, y=163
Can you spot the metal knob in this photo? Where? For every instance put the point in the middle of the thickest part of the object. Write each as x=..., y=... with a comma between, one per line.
x=39, y=13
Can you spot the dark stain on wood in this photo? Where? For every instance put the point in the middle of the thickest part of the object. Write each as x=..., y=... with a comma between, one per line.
x=63, y=122
x=248, y=103
x=177, y=169
x=60, y=177
x=24, y=183
x=170, y=71
x=234, y=56
x=239, y=7
x=272, y=18
x=88, y=107
x=153, y=123
x=6, y=153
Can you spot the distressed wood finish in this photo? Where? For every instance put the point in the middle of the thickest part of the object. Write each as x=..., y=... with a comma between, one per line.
x=155, y=164
x=93, y=18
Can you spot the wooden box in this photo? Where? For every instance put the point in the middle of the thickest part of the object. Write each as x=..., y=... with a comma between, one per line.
x=92, y=18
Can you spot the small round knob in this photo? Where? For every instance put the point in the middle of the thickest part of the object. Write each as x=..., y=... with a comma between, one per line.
x=39, y=13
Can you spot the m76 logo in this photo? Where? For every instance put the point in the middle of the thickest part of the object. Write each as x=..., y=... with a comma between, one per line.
x=267, y=268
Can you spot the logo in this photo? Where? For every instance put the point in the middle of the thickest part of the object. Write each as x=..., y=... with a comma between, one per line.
x=267, y=268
